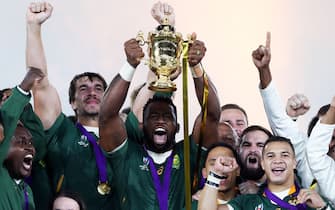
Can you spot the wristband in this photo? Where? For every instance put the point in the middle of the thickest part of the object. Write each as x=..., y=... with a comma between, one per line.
x=212, y=185
x=23, y=91
x=197, y=71
x=326, y=207
x=213, y=180
x=127, y=72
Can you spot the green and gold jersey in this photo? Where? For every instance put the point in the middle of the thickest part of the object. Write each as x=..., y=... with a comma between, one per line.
x=133, y=182
x=72, y=165
x=256, y=202
x=12, y=191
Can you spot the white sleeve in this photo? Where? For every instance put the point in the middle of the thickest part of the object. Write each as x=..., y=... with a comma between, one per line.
x=230, y=207
x=282, y=125
x=322, y=166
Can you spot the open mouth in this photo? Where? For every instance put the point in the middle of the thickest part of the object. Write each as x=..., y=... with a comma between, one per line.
x=28, y=161
x=223, y=180
x=252, y=159
x=160, y=136
x=278, y=170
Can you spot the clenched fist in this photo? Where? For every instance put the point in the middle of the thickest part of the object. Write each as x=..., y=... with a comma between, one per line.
x=38, y=12
x=134, y=52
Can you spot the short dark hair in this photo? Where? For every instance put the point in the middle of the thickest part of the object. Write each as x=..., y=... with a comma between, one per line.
x=72, y=195
x=235, y=106
x=159, y=98
x=225, y=145
x=90, y=75
x=322, y=111
x=279, y=139
x=255, y=128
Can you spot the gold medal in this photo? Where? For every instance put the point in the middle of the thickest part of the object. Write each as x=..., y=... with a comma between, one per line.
x=103, y=188
x=160, y=170
x=293, y=200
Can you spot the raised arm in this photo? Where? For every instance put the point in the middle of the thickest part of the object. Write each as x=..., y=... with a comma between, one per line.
x=159, y=11
x=46, y=100
x=261, y=58
x=322, y=165
x=281, y=124
x=196, y=53
x=13, y=107
x=209, y=194
x=111, y=128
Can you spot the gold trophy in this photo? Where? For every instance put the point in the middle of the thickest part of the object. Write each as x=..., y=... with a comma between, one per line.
x=164, y=50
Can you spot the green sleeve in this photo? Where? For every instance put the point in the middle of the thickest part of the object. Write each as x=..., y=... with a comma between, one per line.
x=134, y=132
x=10, y=114
x=34, y=125
x=236, y=203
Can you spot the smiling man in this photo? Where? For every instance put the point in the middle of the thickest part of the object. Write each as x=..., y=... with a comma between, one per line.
x=281, y=191
x=74, y=160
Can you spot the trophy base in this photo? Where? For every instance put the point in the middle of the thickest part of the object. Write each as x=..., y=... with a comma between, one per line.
x=165, y=87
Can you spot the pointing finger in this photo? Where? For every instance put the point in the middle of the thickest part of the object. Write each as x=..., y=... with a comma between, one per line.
x=268, y=40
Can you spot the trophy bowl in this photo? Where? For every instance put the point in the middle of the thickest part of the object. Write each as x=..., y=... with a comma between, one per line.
x=164, y=50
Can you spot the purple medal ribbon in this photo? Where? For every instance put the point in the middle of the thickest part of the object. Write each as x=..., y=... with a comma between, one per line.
x=282, y=203
x=99, y=157
x=162, y=189
x=26, y=200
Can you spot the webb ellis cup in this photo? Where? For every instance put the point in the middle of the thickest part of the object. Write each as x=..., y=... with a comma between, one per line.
x=164, y=50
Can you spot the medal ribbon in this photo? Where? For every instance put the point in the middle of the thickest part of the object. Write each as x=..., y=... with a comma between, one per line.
x=99, y=157
x=282, y=203
x=26, y=199
x=162, y=189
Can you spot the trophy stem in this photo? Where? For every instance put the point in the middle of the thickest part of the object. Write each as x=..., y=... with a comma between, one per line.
x=163, y=84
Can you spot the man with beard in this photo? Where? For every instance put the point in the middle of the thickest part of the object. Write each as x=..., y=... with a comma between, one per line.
x=73, y=156
x=253, y=139
x=281, y=190
x=151, y=176
x=16, y=148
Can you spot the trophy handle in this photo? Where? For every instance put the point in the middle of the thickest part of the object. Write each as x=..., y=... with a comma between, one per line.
x=140, y=38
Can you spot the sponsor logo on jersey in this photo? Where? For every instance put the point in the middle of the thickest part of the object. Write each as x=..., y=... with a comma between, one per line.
x=259, y=207
x=176, y=162
x=83, y=141
x=145, y=165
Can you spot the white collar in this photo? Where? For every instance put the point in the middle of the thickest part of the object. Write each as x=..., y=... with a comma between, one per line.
x=159, y=158
x=95, y=130
x=18, y=181
x=282, y=194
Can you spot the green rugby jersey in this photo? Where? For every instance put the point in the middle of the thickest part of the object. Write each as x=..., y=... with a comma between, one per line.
x=12, y=193
x=70, y=155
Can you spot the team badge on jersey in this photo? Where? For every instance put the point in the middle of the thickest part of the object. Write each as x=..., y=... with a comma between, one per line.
x=259, y=207
x=176, y=162
x=83, y=141
x=145, y=165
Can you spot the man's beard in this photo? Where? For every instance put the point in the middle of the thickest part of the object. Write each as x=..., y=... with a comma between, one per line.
x=251, y=173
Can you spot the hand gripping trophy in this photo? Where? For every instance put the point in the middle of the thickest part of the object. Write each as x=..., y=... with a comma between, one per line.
x=164, y=50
